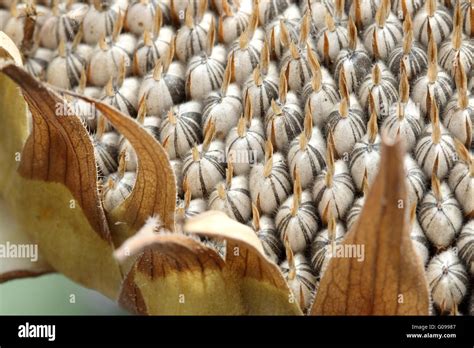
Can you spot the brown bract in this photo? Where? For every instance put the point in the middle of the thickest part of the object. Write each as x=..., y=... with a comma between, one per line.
x=154, y=192
x=176, y=274
x=53, y=195
x=59, y=148
x=390, y=279
x=174, y=265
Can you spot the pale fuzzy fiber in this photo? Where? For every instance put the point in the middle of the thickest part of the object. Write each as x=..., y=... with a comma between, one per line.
x=270, y=198
x=301, y=228
x=447, y=289
x=441, y=221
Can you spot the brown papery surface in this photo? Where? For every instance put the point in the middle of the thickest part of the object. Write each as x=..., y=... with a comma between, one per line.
x=390, y=280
